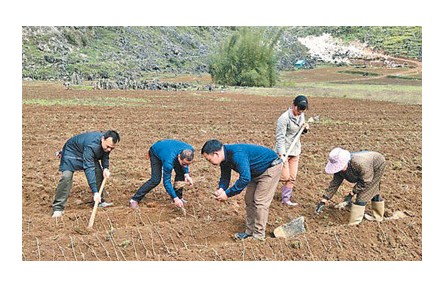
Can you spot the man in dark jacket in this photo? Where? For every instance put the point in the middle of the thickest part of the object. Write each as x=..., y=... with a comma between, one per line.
x=165, y=156
x=83, y=152
x=259, y=171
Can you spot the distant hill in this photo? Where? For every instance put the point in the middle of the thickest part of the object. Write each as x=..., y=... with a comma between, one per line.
x=91, y=53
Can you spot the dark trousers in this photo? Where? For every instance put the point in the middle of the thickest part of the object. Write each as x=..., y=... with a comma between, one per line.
x=156, y=176
x=66, y=183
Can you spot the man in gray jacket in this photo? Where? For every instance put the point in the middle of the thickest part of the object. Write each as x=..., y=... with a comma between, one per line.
x=83, y=152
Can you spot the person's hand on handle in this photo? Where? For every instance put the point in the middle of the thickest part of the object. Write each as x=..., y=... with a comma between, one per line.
x=96, y=197
x=107, y=173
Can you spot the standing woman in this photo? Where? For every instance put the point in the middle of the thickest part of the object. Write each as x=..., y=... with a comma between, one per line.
x=288, y=126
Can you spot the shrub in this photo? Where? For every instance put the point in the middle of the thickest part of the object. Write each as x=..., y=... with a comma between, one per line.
x=246, y=59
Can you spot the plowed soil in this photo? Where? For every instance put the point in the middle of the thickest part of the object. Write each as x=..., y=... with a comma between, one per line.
x=159, y=231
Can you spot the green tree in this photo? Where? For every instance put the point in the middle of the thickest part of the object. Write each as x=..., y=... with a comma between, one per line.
x=246, y=59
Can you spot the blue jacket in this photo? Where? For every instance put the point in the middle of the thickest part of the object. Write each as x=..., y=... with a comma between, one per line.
x=248, y=160
x=167, y=151
x=82, y=152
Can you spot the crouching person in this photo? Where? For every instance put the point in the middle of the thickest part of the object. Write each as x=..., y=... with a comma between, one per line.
x=365, y=168
x=165, y=156
x=88, y=152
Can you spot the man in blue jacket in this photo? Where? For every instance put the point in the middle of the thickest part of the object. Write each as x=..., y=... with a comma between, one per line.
x=165, y=156
x=259, y=171
x=83, y=152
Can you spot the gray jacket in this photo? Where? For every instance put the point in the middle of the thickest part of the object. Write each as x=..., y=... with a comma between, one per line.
x=82, y=152
x=288, y=126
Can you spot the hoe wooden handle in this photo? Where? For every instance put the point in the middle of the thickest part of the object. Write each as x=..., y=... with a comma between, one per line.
x=96, y=204
x=285, y=158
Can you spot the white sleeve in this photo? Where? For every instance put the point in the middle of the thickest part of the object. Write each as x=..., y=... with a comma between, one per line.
x=280, y=135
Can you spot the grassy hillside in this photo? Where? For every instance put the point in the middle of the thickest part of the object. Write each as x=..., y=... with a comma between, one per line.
x=139, y=52
x=110, y=52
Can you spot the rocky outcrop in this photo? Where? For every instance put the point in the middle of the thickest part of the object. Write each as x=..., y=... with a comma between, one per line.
x=131, y=52
x=127, y=84
x=327, y=49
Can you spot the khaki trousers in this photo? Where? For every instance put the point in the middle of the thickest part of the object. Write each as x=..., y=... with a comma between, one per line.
x=259, y=195
x=289, y=172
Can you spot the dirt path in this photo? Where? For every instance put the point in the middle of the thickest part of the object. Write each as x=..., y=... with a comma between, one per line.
x=414, y=68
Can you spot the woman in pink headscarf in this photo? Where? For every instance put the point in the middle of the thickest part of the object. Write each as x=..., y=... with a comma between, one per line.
x=365, y=168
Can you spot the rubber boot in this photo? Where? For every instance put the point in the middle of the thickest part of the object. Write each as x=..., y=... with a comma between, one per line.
x=286, y=193
x=378, y=210
x=356, y=215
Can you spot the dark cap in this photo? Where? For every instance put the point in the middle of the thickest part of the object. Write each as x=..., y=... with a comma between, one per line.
x=301, y=102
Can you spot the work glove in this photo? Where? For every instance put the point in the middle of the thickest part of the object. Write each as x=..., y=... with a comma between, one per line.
x=320, y=207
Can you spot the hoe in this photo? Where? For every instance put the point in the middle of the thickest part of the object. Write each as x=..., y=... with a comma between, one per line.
x=96, y=203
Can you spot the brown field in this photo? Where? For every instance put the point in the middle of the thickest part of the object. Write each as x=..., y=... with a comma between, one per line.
x=159, y=231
